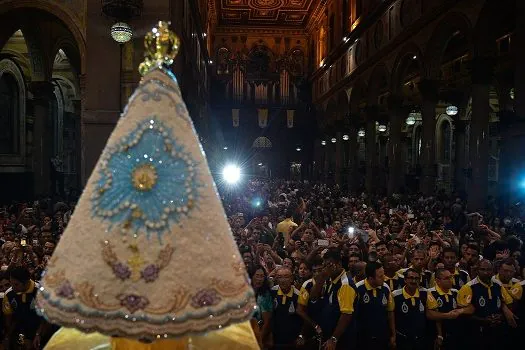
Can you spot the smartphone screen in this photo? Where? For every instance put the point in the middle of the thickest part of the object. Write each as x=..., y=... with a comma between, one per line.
x=323, y=243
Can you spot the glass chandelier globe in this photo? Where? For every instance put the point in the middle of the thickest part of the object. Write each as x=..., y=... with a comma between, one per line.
x=121, y=32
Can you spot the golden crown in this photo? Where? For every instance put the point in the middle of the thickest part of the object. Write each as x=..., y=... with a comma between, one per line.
x=161, y=47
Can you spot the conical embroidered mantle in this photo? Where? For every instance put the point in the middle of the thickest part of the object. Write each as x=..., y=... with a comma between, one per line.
x=148, y=252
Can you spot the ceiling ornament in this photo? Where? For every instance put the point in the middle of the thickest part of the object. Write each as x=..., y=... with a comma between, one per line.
x=265, y=4
x=282, y=13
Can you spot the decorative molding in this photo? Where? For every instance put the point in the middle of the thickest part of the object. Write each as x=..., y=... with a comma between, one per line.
x=287, y=13
x=316, y=15
x=281, y=31
x=212, y=13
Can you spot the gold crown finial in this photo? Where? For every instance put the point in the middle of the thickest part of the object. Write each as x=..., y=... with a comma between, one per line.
x=162, y=46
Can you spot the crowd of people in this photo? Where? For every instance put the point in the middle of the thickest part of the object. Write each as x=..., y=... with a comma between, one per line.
x=330, y=270
x=29, y=233
x=335, y=271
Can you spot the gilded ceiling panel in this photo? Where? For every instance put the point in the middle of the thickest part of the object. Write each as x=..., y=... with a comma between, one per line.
x=283, y=13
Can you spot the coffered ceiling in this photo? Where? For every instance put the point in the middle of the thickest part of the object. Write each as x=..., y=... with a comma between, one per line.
x=281, y=13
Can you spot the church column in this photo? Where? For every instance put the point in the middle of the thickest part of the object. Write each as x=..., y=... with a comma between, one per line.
x=429, y=92
x=460, y=127
x=508, y=125
x=42, y=136
x=326, y=161
x=519, y=49
x=353, y=166
x=77, y=104
x=339, y=157
x=479, y=133
x=371, y=150
x=512, y=160
x=394, y=144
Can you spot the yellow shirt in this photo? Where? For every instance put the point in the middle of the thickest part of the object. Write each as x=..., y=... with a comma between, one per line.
x=236, y=337
x=345, y=294
x=432, y=303
x=465, y=294
x=390, y=306
x=6, y=306
x=517, y=290
x=286, y=227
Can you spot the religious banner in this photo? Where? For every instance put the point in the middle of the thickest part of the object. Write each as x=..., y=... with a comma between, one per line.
x=235, y=117
x=289, y=118
x=263, y=117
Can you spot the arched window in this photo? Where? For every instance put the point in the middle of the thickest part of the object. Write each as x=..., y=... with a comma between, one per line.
x=262, y=142
x=446, y=138
x=12, y=113
x=9, y=126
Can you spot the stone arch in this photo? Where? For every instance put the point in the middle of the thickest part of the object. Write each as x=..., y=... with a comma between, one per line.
x=444, y=31
x=404, y=60
x=35, y=54
x=379, y=81
x=66, y=16
x=67, y=45
x=7, y=66
x=18, y=54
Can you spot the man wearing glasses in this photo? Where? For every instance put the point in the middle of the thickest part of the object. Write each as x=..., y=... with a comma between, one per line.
x=409, y=311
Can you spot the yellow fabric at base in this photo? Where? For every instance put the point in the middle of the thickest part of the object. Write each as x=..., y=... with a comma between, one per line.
x=238, y=336
x=70, y=338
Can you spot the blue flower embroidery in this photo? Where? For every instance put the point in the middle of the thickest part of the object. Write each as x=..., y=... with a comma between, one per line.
x=147, y=181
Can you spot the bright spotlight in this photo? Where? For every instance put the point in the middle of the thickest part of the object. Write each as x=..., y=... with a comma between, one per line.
x=231, y=174
x=351, y=231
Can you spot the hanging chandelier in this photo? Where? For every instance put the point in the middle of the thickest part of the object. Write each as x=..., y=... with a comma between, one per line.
x=121, y=32
x=122, y=11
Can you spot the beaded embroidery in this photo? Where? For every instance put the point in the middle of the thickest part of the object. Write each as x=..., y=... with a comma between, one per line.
x=205, y=297
x=136, y=268
x=66, y=290
x=147, y=182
